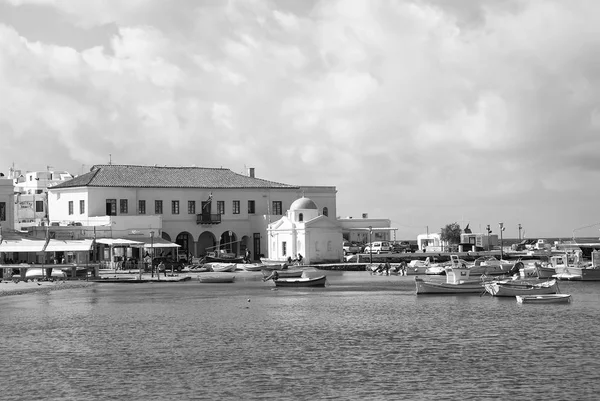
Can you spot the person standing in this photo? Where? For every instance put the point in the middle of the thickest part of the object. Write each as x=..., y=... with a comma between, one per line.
x=161, y=266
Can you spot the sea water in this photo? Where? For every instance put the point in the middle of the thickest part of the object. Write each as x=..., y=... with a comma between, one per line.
x=361, y=338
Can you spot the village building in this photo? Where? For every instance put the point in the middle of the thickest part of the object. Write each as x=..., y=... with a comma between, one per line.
x=7, y=202
x=305, y=231
x=199, y=209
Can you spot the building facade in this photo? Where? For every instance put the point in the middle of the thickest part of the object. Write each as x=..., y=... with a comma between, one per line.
x=200, y=209
x=7, y=203
x=31, y=195
x=305, y=231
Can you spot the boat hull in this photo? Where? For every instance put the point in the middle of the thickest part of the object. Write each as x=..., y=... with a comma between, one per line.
x=467, y=287
x=302, y=282
x=544, y=299
x=283, y=273
x=222, y=267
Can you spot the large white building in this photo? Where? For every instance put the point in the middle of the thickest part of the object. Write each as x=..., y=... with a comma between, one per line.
x=198, y=208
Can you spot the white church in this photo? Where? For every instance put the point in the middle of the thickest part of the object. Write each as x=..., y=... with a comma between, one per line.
x=317, y=237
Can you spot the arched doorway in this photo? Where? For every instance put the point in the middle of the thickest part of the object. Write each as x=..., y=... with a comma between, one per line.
x=186, y=241
x=206, y=243
x=229, y=242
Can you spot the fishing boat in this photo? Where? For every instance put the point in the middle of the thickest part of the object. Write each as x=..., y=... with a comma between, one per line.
x=223, y=257
x=221, y=267
x=457, y=281
x=511, y=288
x=544, y=299
x=250, y=267
x=570, y=266
x=544, y=271
x=490, y=266
x=301, y=282
x=212, y=278
x=283, y=273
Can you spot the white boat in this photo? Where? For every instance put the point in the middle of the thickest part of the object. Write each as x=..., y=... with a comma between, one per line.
x=37, y=273
x=490, y=266
x=457, y=281
x=221, y=267
x=544, y=299
x=511, y=288
x=570, y=266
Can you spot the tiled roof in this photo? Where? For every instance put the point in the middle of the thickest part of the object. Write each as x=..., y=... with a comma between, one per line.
x=112, y=175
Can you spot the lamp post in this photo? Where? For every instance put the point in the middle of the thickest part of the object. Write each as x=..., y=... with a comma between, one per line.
x=501, y=242
x=520, y=227
x=152, y=250
x=489, y=232
x=370, y=244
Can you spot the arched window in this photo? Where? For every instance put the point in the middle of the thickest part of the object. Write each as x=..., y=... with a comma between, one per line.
x=300, y=217
x=325, y=212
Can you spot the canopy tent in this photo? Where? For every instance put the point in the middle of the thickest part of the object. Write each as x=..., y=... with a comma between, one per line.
x=157, y=243
x=55, y=245
x=22, y=245
x=118, y=242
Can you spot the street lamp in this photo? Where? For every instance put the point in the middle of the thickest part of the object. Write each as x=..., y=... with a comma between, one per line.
x=501, y=242
x=489, y=232
x=520, y=227
x=152, y=249
x=370, y=244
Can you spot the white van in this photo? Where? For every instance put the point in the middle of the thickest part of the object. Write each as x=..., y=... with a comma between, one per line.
x=378, y=247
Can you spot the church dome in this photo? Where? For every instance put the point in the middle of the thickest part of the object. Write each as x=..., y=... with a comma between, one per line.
x=303, y=203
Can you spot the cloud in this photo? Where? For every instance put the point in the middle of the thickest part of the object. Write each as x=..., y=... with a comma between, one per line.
x=421, y=111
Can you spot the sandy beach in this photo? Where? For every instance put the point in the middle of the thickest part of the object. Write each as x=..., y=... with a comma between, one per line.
x=25, y=287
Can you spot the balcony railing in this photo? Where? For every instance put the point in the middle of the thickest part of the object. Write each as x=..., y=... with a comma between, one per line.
x=208, y=218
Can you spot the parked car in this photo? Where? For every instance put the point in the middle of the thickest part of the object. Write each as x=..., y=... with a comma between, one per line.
x=351, y=247
x=378, y=247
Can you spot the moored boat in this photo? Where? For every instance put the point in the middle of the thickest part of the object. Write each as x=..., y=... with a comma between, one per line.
x=511, y=288
x=301, y=282
x=221, y=267
x=544, y=299
x=457, y=281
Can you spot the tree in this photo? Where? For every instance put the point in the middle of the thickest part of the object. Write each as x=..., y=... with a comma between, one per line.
x=451, y=233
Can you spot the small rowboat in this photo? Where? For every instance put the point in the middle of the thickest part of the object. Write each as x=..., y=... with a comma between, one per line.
x=544, y=299
x=301, y=282
x=212, y=278
x=222, y=267
x=283, y=273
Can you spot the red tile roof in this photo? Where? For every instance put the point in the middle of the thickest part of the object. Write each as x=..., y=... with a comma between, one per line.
x=112, y=175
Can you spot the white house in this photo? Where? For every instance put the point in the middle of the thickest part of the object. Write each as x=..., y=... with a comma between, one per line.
x=198, y=208
x=304, y=230
x=31, y=195
x=430, y=242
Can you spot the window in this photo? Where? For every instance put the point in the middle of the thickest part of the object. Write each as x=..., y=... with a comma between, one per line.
x=221, y=207
x=300, y=217
x=2, y=211
x=236, y=207
x=123, y=206
x=39, y=206
x=191, y=207
x=251, y=207
x=142, y=207
x=175, y=207
x=325, y=212
x=277, y=208
x=81, y=207
x=284, y=248
x=158, y=207
x=111, y=207
x=70, y=207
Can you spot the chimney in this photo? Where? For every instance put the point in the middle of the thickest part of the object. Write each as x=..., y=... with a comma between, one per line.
x=251, y=172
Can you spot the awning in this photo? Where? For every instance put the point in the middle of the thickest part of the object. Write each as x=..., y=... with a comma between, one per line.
x=118, y=242
x=22, y=245
x=55, y=245
x=149, y=242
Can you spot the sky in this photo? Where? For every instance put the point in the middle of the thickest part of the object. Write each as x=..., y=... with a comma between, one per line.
x=424, y=112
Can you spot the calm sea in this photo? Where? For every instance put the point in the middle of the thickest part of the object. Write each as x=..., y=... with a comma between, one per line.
x=361, y=338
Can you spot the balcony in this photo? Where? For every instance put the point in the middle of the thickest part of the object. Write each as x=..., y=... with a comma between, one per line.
x=208, y=218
